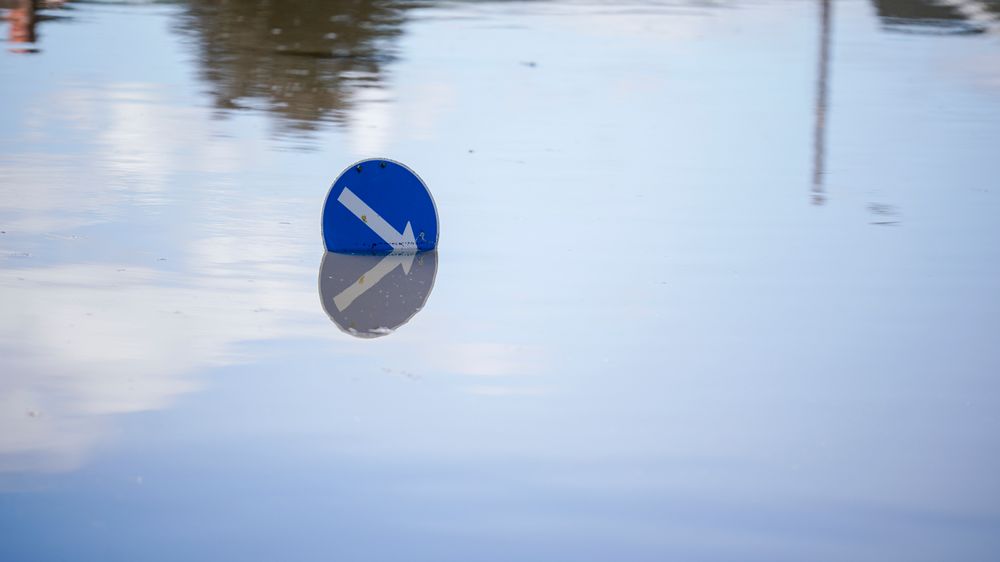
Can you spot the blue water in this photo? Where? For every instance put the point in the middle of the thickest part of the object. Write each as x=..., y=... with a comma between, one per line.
x=715, y=281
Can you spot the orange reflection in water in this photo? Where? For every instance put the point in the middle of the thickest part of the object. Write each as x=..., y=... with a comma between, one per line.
x=22, y=19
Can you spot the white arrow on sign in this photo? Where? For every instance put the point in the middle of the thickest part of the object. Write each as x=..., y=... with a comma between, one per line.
x=400, y=241
x=373, y=276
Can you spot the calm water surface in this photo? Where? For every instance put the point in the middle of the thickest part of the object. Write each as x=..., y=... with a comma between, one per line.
x=716, y=281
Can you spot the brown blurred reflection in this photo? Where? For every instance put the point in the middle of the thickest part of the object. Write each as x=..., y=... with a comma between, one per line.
x=303, y=60
x=22, y=18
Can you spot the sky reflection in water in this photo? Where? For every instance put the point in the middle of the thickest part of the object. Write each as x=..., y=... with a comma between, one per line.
x=645, y=338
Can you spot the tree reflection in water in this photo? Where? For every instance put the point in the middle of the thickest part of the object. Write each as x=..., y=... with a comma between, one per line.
x=305, y=61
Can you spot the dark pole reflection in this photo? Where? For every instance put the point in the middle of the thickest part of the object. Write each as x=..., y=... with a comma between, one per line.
x=822, y=86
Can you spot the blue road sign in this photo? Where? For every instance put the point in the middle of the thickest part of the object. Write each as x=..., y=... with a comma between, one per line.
x=379, y=206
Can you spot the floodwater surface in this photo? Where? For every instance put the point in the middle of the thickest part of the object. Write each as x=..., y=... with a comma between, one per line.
x=716, y=281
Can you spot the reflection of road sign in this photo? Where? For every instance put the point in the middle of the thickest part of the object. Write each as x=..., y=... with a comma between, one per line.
x=371, y=295
x=379, y=206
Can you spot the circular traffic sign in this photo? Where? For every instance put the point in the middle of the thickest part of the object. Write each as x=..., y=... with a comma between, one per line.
x=379, y=206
